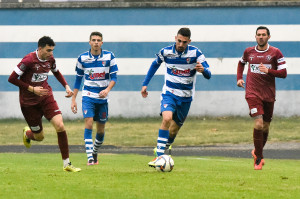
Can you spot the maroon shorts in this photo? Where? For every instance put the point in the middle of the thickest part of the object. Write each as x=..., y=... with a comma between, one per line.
x=33, y=114
x=259, y=107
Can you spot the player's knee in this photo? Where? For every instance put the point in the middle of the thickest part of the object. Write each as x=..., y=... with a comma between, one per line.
x=60, y=127
x=259, y=125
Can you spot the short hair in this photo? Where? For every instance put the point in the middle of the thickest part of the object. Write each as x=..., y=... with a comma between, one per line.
x=96, y=34
x=45, y=40
x=184, y=32
x=263, y=28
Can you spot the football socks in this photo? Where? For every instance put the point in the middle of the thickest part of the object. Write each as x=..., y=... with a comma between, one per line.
x=88, y=143
x=98, y=142
x=63, y=144
x=162, y=139
x=258, y=140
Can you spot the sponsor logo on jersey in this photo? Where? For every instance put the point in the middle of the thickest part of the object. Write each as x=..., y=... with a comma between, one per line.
x=39, y=77
x=186, y=72
x=165, y=105
x=95, y=76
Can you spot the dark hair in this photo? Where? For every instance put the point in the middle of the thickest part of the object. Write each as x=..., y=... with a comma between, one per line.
x=45, y=40
x=263, y=28
x=97, y=34
x=184, y=32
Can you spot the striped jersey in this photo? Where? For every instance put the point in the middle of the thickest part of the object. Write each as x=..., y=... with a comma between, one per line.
x=180, y=72
x=97, y=71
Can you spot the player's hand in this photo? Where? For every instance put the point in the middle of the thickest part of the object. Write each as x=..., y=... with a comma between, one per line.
x=40, y=91
x=68, y=91
x=103, y=93
x=144, y=91
x=74, y=107
x=240, y=83
x=199, y=68
x=263, y=68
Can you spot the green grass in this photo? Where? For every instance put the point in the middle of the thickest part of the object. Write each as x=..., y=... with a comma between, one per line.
x=127, y=176
x=143, y=131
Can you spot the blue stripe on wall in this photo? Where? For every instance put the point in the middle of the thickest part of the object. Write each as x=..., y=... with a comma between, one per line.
x=134, y=83
x=143, y=49
x=151, y=16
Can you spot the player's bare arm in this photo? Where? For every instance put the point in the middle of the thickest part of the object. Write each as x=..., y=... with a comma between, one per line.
x=68, y=91
x=199, y=68
x=105, y=92
x=144, y=91
x=38, y=90
x=263, y=68
x=74, y=103
x=240, y=83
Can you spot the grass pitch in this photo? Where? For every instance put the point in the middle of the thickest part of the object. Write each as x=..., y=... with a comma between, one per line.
x=144, y=131
x=128, y=176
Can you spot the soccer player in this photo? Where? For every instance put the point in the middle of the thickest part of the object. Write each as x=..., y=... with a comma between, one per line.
x=265, y=63
x=36, y=97
x=99, y=69
x=182, y=62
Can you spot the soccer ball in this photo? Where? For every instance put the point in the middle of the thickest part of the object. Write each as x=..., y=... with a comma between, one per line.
x=164, y=163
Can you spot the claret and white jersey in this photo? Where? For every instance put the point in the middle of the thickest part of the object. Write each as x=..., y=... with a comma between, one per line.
x=260, y=84
x=96, y=71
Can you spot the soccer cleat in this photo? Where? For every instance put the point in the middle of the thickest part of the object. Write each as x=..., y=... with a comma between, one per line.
x=155, y=152
x=254, y=156
x=90, y=162
x=258, y=164
x=71, y=168
x=95, y=156
x=152, y=163
x=26, y=141
x=170, y=149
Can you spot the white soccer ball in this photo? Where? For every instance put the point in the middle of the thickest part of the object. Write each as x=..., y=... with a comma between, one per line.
x=164, y=163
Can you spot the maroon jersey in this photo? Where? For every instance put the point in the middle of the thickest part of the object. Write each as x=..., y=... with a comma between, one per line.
x=260, y=84
x=34, y=72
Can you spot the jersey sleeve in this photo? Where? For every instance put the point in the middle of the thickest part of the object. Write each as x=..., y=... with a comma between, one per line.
x=201, y=59
x=23, y=65
x=241, y=66
x=160, y=57
x=53, y=67
x=79, y=69
x=281, y=63
x=113, y=65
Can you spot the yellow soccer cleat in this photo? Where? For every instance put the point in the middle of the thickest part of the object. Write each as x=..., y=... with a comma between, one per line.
x=152, y=163
x=71, y=168
x=26, y=141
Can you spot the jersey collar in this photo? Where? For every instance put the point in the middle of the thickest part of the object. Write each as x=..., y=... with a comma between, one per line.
x=175, y=51
x=261, y=51
x=37, y=55
x=92, y=56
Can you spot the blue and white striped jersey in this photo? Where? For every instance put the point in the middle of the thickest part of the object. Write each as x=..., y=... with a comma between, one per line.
x=180, y=72
x=97, y=71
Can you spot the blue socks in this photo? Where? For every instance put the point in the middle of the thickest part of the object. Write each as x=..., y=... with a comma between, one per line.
x=162, y=139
